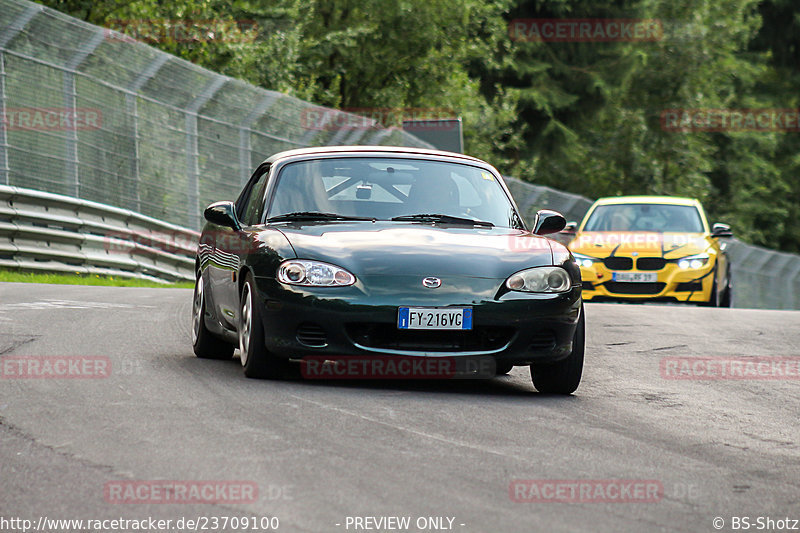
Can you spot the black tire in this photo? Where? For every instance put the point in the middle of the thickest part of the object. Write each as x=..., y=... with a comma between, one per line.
x=564, y=376
x=712, y=302
x=503, y=368
x=727, y=297
x=204, y=343
x=257, y=362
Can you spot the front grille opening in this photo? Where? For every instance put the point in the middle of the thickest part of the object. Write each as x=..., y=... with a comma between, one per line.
x=690, y=286
x=389, y=337
x=622, y=287
x=618, y=263
x=312, y=335
x=651, y=263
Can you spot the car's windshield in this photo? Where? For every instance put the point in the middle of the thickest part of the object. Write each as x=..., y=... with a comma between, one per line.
x=645, y=217
x=384, y=188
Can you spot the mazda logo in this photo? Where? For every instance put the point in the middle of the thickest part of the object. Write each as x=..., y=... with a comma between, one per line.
x=432, y=283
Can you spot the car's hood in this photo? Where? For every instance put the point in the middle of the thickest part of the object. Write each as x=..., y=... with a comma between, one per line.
x=403, y=248
x=646, y=244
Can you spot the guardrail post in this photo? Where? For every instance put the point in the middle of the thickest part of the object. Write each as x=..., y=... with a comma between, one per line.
x=245, y=131
x=70, y=92
x=192, y=150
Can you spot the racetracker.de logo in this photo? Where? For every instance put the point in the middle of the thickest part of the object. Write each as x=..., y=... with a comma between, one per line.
x=397, y=367
x=695, y=120
x=181, y=31
x=585, y=30
x=158, y=491
x=55, y=367
x=433, y=118
x=730, y=368
x=51, y=119
x=586, y=490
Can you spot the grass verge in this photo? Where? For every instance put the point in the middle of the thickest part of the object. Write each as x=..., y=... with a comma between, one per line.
x=85, y=279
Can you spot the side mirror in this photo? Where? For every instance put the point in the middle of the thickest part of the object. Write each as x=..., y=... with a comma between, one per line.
x=571, y=228
x=222, y=214
x=548, y=221
x=721, y=230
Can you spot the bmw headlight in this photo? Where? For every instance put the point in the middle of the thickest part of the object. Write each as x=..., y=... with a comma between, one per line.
x=584, y=260
x=314, y=274
x=540, y=279
x=693, y=261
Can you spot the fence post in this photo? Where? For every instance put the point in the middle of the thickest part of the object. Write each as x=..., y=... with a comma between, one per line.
x=70, y=93
x=5, y=37
x=4, y=168
x=192, y=150
x=245, y=131
x=132, y=109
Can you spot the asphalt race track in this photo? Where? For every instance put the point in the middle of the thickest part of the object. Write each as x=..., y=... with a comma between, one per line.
x=319, y=452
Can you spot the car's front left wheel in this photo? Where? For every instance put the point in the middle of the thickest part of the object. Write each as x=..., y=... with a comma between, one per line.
x=564, y=376
x=204, y=343
x=256, y=359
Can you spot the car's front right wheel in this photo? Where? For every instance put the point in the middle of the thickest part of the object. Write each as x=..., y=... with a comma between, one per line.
x=256, y=359
x=564, y=376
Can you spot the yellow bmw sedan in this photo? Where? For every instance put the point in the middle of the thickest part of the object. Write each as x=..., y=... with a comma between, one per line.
x=651, y=248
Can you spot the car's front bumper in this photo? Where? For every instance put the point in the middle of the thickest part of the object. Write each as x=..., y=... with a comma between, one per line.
x=672, y=284
x=513, y=327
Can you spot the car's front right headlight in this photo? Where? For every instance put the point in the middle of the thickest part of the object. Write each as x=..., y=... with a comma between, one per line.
x=314, y=274
x=540, y=279
x=585, y=261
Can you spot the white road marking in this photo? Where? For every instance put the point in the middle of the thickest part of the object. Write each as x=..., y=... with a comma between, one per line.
x=43, y=305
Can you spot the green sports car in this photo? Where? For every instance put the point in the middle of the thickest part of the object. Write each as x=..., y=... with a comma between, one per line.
x=385, y=253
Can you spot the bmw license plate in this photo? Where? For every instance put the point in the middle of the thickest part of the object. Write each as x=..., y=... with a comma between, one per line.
x=635, y=277
x=434, y=318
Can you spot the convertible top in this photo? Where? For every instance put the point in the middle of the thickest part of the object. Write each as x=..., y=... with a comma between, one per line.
x=369, y=150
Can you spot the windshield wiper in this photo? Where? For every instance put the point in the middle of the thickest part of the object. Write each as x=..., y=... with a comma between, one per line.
x=313, y=215
x=446, y=219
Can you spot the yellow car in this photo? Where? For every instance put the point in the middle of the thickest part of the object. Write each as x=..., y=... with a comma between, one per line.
x=638, y=248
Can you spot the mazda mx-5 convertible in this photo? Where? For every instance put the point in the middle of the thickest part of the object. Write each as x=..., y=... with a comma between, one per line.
x=385, y=252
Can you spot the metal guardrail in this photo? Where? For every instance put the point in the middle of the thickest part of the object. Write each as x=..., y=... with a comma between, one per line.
x=88, y=112
x=46, y=232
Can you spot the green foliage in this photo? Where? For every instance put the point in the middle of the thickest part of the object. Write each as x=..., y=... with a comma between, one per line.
x=580, y=116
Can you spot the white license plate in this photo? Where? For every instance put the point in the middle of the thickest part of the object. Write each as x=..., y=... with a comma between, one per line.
x=434, y=318
x=635, y=277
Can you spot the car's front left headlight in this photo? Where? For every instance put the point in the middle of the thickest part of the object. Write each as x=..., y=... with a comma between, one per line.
x=693, y=261
x=540, y=279
x=314, y=274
